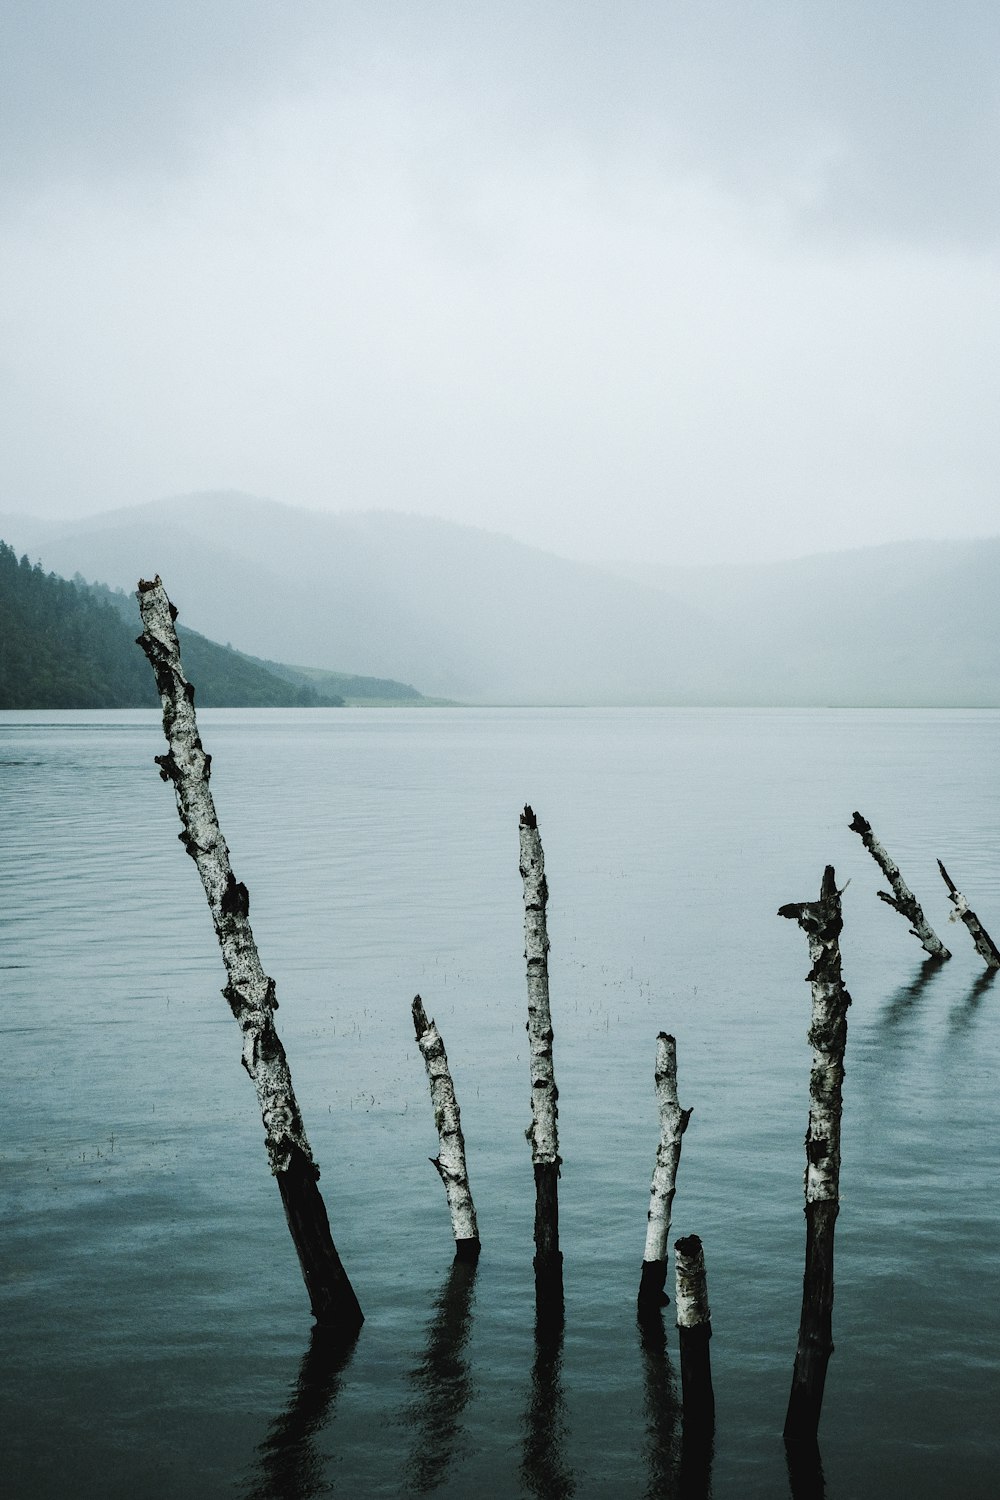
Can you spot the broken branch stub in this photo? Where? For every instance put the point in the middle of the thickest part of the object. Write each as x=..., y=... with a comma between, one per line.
x=543, y=1132
x=985, y=946
x=249, y=991
x=822, y=922
x=902, y=899
x=450, y=1161
x=673, y=1123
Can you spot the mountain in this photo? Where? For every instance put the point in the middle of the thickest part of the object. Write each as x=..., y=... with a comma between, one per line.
x=477, y=616
x=67, y=646
x=466, y=613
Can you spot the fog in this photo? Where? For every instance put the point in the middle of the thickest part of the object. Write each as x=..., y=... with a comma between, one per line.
x=677, y=283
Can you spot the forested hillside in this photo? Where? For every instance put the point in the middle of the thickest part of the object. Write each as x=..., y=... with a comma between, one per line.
x=63, y=645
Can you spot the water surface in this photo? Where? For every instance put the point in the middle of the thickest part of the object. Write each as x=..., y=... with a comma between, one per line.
x=158, y=1337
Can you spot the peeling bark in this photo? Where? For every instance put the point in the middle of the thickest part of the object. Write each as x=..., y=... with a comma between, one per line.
x=902, y=899
x=543, y=1132
x=694, y=1331
x=249, y=991
x=450, y=1161
x=985, y=946
x=822, y=922
x=673, y=1123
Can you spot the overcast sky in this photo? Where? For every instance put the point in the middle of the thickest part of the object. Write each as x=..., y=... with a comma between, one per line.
x=682, y=281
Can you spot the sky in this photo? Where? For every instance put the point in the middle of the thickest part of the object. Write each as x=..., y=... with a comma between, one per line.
x=687, y=281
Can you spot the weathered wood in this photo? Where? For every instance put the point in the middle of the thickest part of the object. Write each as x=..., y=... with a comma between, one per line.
x=985, y=946
x=694, y=1332
x=902, y=899
x=822, y=923
x=249, y=991
x=543, y=1132
x=673, y=1123
x=450, y=1161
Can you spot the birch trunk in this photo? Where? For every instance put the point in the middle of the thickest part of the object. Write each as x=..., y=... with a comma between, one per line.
x=902, y=899
x=694, y=1326
x=249, y=991
x=985, y=946
x=822, y=922
x=450, y=1161
x=543, y=1132
x=673, y=1123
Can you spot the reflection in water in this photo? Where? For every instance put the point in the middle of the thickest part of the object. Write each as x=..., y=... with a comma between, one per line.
x=964, y=1014
x=288, y=1467
x=805, y=1471
x=901, y=1003
x=543, y=1464
x=662, y=1410
x=442, y=1381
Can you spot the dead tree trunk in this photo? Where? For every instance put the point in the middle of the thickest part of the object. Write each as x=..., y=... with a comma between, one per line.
x=694, y=1325
x=985, y=946
x=450, y=1161
x=902, y=899
x=673, y=1123
x=822, y=922
x=250, y=992
x=543, y=1132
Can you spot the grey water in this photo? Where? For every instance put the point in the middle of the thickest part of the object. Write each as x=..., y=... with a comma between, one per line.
x=157, y=1340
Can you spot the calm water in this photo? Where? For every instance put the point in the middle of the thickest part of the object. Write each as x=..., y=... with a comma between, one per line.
x=157, y=1333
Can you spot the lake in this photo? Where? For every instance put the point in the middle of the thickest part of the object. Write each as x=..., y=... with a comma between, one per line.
x=157, y=1330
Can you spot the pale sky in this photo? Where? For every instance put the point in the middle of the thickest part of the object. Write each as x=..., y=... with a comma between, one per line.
x=678, y=281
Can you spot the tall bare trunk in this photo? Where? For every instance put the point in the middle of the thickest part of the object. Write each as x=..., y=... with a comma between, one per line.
x=822, y=922
x=249, y=991
x=902, y=899
x=450, y=1161
x=543, y=1132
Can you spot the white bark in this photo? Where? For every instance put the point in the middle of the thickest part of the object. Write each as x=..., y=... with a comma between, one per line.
x=985, y=946
x=673, y=1123
x=821, y=921
x=450, y=1161
x=543, y=1132
x=250, y=992
x=902, y=899
x=691, y=1284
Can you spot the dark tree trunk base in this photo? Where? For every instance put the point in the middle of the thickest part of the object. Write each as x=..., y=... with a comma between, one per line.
x=815, y=1344
x=696, y=1377
x=652, y=1282
x=547, y=1214
x=467, y=1250
x=331, y=1296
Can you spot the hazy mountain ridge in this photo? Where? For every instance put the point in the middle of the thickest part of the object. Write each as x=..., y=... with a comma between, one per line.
x=68, y=645
x=477, y=616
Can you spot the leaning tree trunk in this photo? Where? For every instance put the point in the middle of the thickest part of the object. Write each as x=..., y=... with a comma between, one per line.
x=250, y=992
x=822, y=922
x=673, y=1123
x=543, y=1133
x=985, y=946
x=902, y=899
x=450, y=1161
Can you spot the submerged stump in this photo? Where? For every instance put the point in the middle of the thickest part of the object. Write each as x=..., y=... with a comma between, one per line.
x=450, y=1160
x=249, y=991
x=673, y=1123
x=543, y=1133
x=822, y=922
x=984, y=944
x=902, y=899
